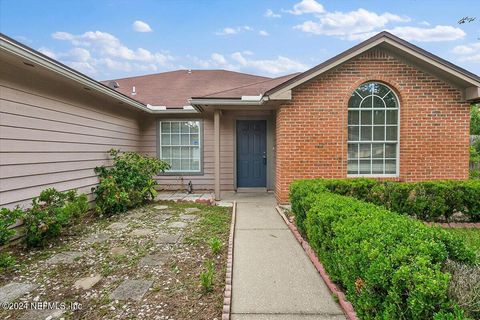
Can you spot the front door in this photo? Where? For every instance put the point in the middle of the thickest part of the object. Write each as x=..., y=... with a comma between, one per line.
x=251, y=153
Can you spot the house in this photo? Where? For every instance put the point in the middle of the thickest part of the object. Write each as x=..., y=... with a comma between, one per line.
x=384, y=108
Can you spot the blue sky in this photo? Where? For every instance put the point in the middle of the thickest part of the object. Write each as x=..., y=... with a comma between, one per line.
x=119, y=38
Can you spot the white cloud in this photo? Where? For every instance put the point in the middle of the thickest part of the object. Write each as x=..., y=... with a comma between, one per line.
x=218, y=58
x=244, y=61
x=270, y=14
x=361, y=24
x=229, y=30
x=47, y=52
x=96, y=52
x=467, y=49
x=469, y=52
x=280, y=65
x=437, y=33
x=141, y=26
x=306, y=6
x=474, y=58
x=349, y=24
x=263, y=33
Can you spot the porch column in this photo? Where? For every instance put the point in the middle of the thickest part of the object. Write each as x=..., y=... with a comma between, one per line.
x=216, y=129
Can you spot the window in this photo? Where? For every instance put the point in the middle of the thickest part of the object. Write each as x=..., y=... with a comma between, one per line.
x=180, y=143
x=373, y=112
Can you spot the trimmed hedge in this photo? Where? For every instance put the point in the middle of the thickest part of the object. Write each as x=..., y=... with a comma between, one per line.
x=429, y=200
x=389, y=265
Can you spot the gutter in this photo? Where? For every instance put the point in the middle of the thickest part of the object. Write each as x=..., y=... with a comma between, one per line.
x=26, y=53
x=244, y=100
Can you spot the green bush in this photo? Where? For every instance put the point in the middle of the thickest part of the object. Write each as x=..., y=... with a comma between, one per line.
x=7, y=262
x=128, y=183
x=429, y=200
x=475, y=120
x=7, y=219
x=389, y=265
x=50, y=212
x=302, y=195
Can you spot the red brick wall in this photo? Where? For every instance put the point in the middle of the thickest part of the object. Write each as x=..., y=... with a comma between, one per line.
x=312, y=127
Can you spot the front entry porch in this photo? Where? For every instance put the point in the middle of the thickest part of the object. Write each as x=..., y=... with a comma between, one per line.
x=245, y=147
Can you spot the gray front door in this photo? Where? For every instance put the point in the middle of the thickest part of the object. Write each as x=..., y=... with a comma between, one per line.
x=251, y=153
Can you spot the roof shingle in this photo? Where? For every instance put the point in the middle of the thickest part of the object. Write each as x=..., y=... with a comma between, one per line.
x=174, y=88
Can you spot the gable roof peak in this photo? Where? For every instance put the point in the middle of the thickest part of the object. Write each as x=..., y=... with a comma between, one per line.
x=383, y=38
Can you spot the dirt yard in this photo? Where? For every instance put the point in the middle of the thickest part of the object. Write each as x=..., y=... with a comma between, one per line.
x=144, y=264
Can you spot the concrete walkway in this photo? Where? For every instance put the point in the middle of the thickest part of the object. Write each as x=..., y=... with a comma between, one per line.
x=272, y=276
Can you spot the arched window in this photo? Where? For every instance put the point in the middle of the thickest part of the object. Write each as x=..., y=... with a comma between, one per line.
x=373, y=129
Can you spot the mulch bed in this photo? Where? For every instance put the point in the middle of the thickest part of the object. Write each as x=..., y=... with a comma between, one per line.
x=175, y=292
x=467, y=225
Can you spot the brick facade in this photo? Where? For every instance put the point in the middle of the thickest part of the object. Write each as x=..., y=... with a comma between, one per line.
x=311, y=129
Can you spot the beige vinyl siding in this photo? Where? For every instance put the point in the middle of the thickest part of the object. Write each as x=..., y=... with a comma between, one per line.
x=53, y=134
x=205, y=180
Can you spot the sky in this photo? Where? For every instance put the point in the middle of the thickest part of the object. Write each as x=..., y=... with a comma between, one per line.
x=111, y=39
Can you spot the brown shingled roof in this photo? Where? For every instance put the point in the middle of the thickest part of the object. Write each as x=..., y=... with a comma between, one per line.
x=173, y=89
x=254, y=89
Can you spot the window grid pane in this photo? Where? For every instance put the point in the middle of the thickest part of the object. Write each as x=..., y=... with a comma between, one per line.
x=180, y=145
x=372, y=131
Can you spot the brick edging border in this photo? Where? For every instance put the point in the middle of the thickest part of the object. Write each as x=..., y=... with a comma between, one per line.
x=227, y=296
x=344, y=304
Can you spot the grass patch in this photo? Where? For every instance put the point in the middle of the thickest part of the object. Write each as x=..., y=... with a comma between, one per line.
x=214, y=222
x=471, y=236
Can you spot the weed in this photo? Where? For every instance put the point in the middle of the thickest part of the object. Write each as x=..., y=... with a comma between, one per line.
x=207, y=277
x=215, y=244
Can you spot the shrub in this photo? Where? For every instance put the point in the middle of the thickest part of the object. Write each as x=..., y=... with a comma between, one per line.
x=475, y=120
x=390, y=265
x=207, y=277
x=128, y=183
x=50, y=212
x=215, y=244
x=7, y=262
x=429, y=200
x=464, y=287
x=7, y=219
x=302, y=194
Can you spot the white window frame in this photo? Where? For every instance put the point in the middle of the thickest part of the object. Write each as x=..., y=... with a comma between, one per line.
x=397, y=149
x=200, y=146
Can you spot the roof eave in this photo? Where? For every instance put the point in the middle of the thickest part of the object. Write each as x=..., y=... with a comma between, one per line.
x=226, y=101
x=33, y=56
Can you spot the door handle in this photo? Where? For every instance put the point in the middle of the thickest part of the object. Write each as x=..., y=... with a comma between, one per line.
x=264, y=158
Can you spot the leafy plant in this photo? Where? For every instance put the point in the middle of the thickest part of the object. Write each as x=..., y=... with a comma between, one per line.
x=50, y=212
x=207, y=277
x=427, y=200
x=475, y=151
x=475, y=120
x=7, y=219
x=215, y=244
x=390, y=265
x=128, y=183
x=6, y=261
